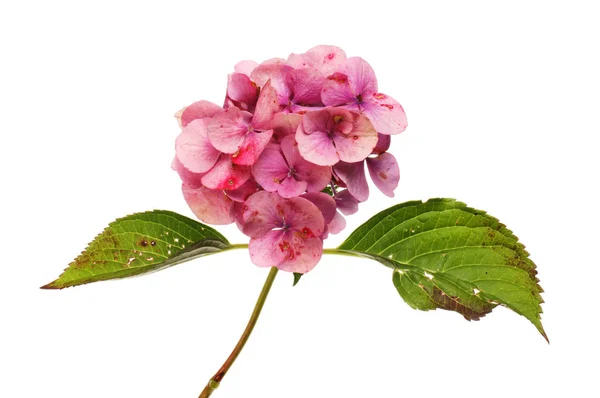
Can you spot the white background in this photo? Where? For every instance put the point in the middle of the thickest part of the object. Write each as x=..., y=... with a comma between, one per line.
x=502, y=100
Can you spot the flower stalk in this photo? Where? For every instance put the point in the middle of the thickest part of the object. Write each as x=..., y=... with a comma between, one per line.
x=214, y=382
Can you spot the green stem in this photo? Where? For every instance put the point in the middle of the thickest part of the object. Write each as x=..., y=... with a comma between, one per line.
x=214, y=382
x=340, y=252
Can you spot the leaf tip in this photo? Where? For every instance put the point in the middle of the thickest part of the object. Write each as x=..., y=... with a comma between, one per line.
x=51, y=286
x=297, y=277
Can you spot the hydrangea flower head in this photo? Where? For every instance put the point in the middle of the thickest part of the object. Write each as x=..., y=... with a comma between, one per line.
x=284, y=157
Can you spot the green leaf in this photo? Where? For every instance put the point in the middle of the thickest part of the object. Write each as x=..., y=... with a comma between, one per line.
x=447, y=255
x=138, y=244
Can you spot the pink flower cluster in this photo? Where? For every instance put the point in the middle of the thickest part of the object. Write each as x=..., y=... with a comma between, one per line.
x=286, y=152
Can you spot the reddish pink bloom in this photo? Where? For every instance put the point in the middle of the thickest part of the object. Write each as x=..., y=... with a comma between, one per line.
x=242, y=134
x=298, y=90
x=284, y=233
x=354, y=86
x=281, y=168
x=332, y=134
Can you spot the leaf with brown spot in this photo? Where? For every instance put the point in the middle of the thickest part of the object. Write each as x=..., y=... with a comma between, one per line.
x=139, y=244
x=449, y=256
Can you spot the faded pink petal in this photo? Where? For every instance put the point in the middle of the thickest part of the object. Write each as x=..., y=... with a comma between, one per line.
x=210, y=206
x=336, y=91
x=192, y=179
x=277, y=75
x=227, y=130
x=242, y=90
x=346, y=203
x=325, y=203
x=291, y=187
x=284, y=124
x=253, y=145
x=306, y=85
x=383, y=143
x=317, y=148
x=245, y=67
x=266, y=107
x=242, y=193
x=324, y=58
x=354, y=82
x=226, y=175
x=198, y=110
x=337, y=224
x=361, y=77
x=386, y=114
x=264, y=250
x=193, y=148
x=384, y=172
x=271, y=168
x=359, y=143
x=353, y=175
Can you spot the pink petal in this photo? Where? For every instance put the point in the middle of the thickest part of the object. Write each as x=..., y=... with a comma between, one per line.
x=252, y=147
x=277, y=75
x=284, y=124
x=301, y=254
x=228, y=129
x=210, y=206
x=383, y=143
x=189, y=178
x=226, y=175
x=266, y=107
x=242, y=90
x=306, y=85
x=284, y=232
x=325, y=203
x=301, y=215
x=346, y=203
x=353, y=175
x=317, y=147
x=276, y=72
x=198, y=110
x=262, y=213
x=384, y=172
x=361, y=77
x=336, y=90
x=324, y=58
x=193, y=148
x=359, y=143
x=242, y=193
x=286, y=250
x=290, y=187
x=264, y=250
x=337, y=224
x=385, y=113
x=271, y=168
x=245, y=67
